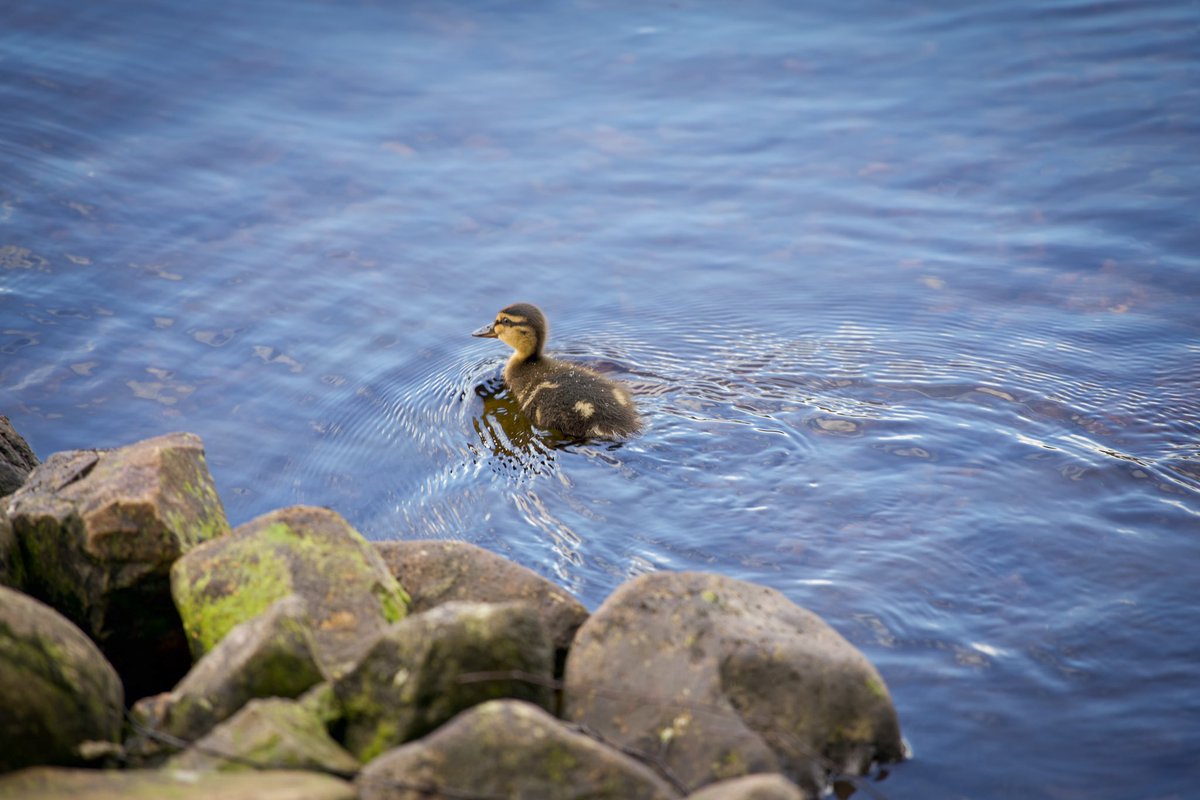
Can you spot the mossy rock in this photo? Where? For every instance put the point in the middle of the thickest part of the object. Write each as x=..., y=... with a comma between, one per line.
x=43, y=783
x=98, y=531
x=314, y=553
x=419, y=674
x=436, y=572
x=271, y=655
x=56, y=688
x=728, y=678
x=283, y=734
x=509, y=748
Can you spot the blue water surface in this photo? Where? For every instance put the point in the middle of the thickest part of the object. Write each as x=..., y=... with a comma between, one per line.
x=908, y=294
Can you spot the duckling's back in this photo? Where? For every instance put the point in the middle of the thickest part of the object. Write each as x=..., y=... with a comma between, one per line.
x=572, y=399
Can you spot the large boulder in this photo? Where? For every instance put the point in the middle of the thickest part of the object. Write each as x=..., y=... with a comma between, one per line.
x=41, y=783
x=282, y=733
x=272, y=655
x=763, y=786
x=56, y=688
x=433, y=665
x=16, y=458
x=508, y=748
x=436, y=572
x=728, y=678
x=349, y=594
x=98, y=532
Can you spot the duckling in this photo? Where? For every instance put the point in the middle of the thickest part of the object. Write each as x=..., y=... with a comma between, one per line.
x=566, y=397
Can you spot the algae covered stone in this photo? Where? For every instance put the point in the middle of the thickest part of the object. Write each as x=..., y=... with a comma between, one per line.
x=433, y=665
x=56, y=688
x=509, y=748
x=281, y=733
x=272, y=655
x=436, y=572
x=727, y=678
x=98, y=532
x=312, y=552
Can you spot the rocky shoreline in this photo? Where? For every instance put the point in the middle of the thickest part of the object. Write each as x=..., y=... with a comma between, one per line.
x=147, y=648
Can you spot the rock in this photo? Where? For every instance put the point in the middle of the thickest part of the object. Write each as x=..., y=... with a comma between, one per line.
x=508, y=748
x=410, y=681
x=43, y=783
x=321, y=702
x=728, y=678
x=436, y=572
x=350, y=595
x=16, y=458
x=280, y=733
x=56, y=688
x=98, y=532
x=752, y=787
x=272, y=655
x=12, y=571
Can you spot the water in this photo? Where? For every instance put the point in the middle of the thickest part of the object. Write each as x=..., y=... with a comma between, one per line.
x=908, y=295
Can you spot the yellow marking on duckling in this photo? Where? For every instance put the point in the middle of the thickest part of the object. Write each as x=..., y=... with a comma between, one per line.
x=543, y=385
x=585, y=408
x=622, y=399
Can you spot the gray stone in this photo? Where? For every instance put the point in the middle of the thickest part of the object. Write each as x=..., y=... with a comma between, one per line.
x=41, y=783
x=752, y=787
x=57, y=691
x=16, y=458
x=436, y=572
x=350, y=596
x=412, y=680
x=280, y=733
x=508, y=748
x=269, y=656
x=727, y=678
x=98, y=532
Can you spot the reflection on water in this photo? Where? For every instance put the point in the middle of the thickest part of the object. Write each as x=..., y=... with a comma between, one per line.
x=906, y=295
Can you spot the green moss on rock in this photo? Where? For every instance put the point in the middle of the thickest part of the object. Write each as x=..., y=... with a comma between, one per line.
x=56, y=689
x=98, y=532
x=311, y=552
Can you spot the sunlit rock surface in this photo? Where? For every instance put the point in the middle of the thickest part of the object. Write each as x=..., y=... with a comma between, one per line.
x=45, y=783
x=436, y=572
x=98, y=532
x=508, y=748
x=726, y=678
x=763, y=786
x=314, y=553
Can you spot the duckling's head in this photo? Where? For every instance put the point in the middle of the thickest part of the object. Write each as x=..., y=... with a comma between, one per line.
x=521, y=326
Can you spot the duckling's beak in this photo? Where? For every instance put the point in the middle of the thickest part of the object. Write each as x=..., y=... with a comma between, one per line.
x=486, y=332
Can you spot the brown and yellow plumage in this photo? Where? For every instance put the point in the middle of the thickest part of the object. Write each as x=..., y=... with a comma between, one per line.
x=565, y=397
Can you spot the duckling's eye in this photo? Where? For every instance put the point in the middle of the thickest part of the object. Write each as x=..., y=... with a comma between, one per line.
x=503, y=322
